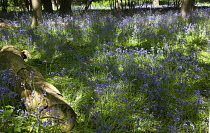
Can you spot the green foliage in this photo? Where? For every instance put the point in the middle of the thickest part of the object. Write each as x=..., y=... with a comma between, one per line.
x=141, y=72
x=12, y=120
x=9, y=122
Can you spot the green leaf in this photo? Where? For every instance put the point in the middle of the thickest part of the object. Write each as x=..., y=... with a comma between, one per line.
x=17, y=129
x=8, y=118
x=8, y=106
x=8, y=112
x=19, y=117
x=18, y=123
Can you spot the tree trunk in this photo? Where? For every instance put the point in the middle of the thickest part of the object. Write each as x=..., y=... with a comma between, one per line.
x=187, y=6
x=155, y=3
x=118, y=4
x=121, y=4
x=25, y=4
x=89, y=2
x=37, y=12
x=55, y=4
x=131, y=4
x=125, y=4
x=47, y=6
x=4, y=5
x=110, y=4
x=30, y=8
x=65, y=5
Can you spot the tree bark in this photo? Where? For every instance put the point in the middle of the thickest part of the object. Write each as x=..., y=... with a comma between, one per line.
x=47, y=6
x=37, y=12
x=4, y=5
x=55, y=4
x=25, y=4
x=89, y=2
x=187, y=6
x=131, y=4
x=118, y=4
x=65, y=5
x=34, y=91
x=155, y=3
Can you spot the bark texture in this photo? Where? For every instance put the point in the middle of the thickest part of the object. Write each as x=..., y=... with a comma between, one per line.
x=155, y=3
x=65, y=5
x=187, y=6
x=47, y=6
x=38, y=95
x=89, y=2
x=37, y=12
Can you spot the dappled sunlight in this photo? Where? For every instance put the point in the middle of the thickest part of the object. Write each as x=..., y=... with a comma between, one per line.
x=142, y=72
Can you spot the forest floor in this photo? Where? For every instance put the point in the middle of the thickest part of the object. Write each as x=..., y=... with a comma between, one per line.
x=121, y=71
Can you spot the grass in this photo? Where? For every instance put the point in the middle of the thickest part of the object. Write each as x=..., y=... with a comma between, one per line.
x=120, y=71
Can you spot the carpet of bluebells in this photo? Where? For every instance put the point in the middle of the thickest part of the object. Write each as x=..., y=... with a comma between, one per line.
x=120, y=71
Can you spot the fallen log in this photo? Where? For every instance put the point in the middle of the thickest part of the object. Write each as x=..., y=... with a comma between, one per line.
x=5, y=25
x=37, y=94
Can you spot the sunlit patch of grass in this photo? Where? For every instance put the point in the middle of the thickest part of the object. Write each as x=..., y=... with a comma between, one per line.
x=204, y=56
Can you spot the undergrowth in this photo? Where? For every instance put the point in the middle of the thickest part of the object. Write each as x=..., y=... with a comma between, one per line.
x=141, y=72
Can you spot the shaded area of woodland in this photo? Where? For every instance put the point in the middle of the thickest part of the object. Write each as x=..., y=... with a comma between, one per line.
x=65, y=6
